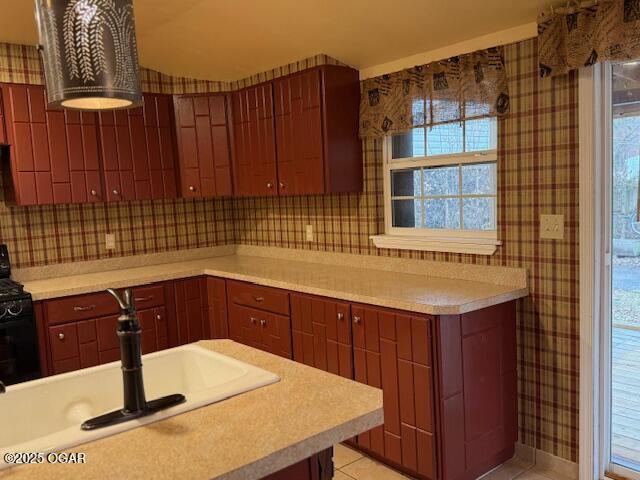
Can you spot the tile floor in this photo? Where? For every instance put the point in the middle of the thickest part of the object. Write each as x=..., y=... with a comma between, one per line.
x=353, y=465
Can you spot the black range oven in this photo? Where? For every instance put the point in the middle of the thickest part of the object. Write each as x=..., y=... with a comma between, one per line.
x=19, y=357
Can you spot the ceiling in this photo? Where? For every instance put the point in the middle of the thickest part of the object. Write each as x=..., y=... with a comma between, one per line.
x=232, y=39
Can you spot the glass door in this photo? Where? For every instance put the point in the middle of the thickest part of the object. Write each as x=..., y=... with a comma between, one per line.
x=622, y=295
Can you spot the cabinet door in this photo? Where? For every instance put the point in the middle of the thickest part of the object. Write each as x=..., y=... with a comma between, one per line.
x=203, y=145
x=3, y=135
x=255, y=171
x=321, y=330
x=160, y=148
x=259, y=329
x=299, y=133
x=192, y=322
x=392, y=351
x=115, y=144
x=217, y=307
x=53, y=152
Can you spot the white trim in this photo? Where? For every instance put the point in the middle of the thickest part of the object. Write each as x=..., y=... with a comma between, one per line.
x=478, y=242
x=478, y=246
x=589, y=99
x=503, y=37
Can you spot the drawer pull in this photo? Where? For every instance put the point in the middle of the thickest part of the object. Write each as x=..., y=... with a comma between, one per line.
x=259, y=299
x=356, y=320
x=143, y=299
x=83, y=309
x=340, y=316
x=263, y=322
x=61, y=336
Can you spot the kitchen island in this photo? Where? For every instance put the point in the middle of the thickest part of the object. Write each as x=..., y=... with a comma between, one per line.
x=250, y=436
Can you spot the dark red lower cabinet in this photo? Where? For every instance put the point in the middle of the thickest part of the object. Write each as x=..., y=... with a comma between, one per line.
x=449, y=382
x=317, y=467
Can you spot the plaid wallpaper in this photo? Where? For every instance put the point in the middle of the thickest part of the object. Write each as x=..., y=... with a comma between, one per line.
x=538, y=173
x=44, y=235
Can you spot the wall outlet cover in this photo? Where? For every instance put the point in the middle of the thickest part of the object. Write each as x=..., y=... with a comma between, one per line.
x=110, y=241
x=309, y=233
x=552, y=227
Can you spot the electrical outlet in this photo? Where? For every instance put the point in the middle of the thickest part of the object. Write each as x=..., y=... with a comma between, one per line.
x=309, y=233
x=552, y=227
x=110, y=241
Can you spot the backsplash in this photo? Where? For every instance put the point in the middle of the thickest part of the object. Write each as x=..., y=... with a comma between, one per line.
x=538, y=173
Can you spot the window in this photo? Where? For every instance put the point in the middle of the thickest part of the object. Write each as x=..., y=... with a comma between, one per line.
x=441, y=188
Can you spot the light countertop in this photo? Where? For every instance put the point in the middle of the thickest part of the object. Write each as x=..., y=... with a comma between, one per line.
x=405, y=291
x=245, y=437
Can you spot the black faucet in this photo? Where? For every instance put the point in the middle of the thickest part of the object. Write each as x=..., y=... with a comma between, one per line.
x=135, y=403
x=3, y=389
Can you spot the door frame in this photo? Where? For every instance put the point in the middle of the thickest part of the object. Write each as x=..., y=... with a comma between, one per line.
x=594, y=98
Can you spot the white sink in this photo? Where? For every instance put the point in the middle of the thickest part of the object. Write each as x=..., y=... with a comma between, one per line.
x=45, y=415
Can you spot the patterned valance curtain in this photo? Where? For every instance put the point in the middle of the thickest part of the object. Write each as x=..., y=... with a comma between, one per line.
x=580, y=35
x=468, y=86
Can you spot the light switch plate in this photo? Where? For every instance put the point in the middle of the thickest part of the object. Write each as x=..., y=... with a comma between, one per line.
x=110, y=241
x=309, y=233
x=552, y=227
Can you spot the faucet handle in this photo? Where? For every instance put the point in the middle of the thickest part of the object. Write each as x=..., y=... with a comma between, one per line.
x=3, y=389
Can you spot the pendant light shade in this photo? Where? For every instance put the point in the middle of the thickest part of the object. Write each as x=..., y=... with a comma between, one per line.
x=89, y=53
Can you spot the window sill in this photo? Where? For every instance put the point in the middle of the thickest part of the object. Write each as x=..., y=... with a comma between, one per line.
x=478, y=246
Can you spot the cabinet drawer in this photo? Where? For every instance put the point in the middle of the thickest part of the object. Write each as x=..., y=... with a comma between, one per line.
x=148, y=296
x=64, y=342
x=80, y=307
x=256, y=296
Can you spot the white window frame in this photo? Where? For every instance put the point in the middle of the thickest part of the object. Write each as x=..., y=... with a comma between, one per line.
x=430, y=239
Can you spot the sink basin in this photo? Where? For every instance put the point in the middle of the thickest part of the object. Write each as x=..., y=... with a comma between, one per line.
x=45, y=415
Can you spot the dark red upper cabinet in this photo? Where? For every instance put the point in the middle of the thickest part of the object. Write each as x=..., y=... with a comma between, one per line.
x=115, y=145
x=53, y=153
x=138, y=151
x=316, y=133
x=254, y=142
x=3, y=135
x=160, y=147
x=203, y=145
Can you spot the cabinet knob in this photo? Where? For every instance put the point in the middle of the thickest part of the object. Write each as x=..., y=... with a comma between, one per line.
x=192, y=188
x=94, y=193
x=158, y=317
x=259, y=299
x=252, y=320
x=115, y=192
x=356, y=320
x=282, y=185
x=340, y=316
x=61, y=336
x=269, y=185
x=263, y=322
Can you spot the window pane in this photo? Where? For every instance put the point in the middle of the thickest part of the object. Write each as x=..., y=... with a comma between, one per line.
x=479, y=213
x=407, y=213
x=410, y=144
x=444, y=139
x=441, y=181
x=405, y=183
x=479, y=178
x=442, y=213
x=481, y=134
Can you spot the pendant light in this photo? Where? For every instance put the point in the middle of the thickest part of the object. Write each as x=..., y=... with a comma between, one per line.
x=89, y=53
